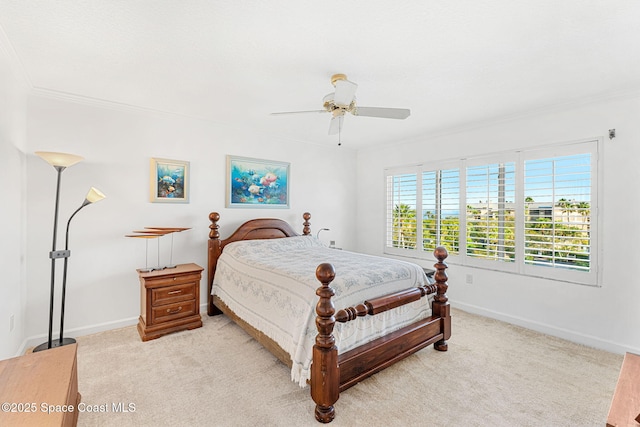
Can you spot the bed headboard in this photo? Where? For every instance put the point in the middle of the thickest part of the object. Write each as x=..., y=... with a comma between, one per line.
x=260, y=228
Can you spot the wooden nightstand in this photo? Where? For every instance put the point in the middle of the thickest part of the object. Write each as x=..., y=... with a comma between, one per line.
x=169, y=300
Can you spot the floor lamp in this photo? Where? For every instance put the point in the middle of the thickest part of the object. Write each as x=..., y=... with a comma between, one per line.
x=60, y=161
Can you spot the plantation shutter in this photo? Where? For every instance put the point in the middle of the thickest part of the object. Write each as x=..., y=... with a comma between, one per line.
x=401, y=211
x=490, y=196
x=450, y=211
x=558, y=197
x=441, y=209
x=430, y=210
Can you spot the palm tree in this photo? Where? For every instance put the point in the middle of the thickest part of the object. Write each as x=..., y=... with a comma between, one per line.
x=404, y=224
x=585, y=210
x=567, y=207
x=527, y=200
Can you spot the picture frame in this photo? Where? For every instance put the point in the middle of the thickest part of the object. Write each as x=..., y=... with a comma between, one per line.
x=257, y=183
x=169, y=181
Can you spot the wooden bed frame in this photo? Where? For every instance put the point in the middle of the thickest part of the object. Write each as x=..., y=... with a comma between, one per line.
x=331, y=372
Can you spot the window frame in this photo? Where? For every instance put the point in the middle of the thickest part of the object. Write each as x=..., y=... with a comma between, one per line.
x=593, y=146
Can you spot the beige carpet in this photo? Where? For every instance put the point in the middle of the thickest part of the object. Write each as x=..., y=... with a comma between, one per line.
x=493, y=374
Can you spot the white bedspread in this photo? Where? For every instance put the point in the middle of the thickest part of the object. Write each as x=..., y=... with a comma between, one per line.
x=271, y=284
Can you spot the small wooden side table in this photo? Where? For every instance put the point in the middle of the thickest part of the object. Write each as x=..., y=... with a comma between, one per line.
x=169, y=300
x=40, y=389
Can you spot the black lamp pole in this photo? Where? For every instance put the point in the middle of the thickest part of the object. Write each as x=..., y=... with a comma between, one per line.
x=53, y=255
x=66, y=341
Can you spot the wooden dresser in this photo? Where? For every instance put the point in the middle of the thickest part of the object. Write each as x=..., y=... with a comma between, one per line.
x=40, y=389
x=169, y=300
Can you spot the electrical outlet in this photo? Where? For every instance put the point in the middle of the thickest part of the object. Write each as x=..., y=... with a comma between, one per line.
x=11, y=323
x=469, y=279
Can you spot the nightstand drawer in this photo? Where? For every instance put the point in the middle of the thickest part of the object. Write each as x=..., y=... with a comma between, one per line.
x=172, y=294
x=175, y=311
x=168, y=280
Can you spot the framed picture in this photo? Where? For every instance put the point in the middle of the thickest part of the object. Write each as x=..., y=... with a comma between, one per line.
x=257, y=183
x=169, y=181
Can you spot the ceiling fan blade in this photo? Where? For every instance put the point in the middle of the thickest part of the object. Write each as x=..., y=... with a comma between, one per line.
x=385, y=113
x=298, y=112
x=345, y=92
x=336, y=125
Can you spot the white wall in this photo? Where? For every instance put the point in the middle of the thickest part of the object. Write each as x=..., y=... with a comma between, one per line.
x=103, y=290
x=103, y=287
x=13, y=101
x=606, y=316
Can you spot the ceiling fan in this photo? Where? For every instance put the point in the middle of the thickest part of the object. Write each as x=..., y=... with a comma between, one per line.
x=343, y=100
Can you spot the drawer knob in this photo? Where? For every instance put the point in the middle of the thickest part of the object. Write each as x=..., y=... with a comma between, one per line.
x=174, y=311
x=175, y=292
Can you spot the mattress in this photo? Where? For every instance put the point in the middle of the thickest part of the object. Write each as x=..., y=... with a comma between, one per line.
x=271, y=284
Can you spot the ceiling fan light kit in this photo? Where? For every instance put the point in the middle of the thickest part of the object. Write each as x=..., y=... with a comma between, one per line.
x=343, y=100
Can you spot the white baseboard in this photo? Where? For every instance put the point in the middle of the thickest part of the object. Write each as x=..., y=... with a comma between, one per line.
x=87, y=330
x=77, y=332
x=544, y=328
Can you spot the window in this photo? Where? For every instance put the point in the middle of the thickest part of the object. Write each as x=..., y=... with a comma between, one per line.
x=401, y=211
x=558, y=224
x=530, y=212
x=436, y=197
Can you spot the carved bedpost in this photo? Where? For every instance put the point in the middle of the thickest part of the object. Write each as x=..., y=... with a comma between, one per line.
x=441, y=302
x=325, y=372
x=307, y=225
x=214, y=253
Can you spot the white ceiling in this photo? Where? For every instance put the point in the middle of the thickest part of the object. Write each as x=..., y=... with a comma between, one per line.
x=453, y=63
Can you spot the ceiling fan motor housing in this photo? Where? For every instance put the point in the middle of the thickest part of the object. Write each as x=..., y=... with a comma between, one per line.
x=337, y=77
x=337, y=110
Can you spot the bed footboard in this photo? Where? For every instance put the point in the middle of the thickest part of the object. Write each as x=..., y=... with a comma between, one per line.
x=332, y=373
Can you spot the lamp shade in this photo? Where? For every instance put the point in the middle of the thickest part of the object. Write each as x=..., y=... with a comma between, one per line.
x=94, y=195
x=59, y=159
